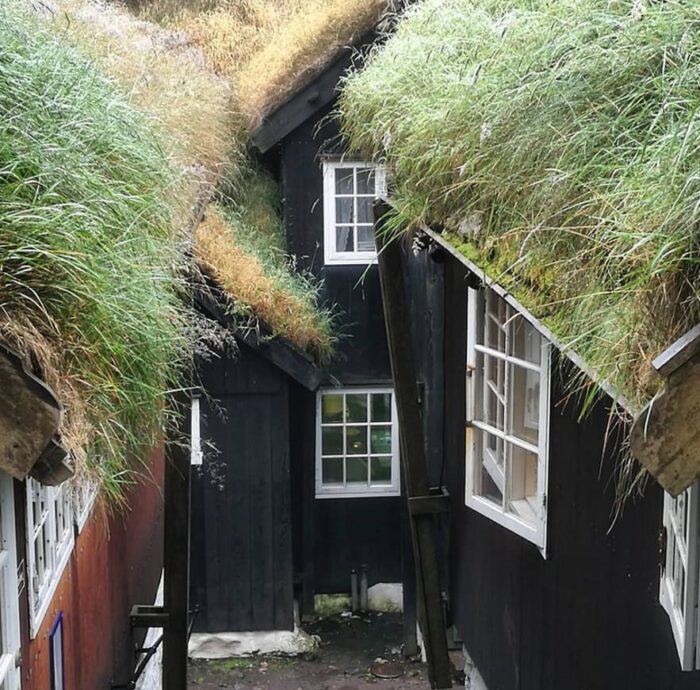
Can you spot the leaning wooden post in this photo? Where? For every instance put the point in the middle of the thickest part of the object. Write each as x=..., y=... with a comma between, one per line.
x=422, y=503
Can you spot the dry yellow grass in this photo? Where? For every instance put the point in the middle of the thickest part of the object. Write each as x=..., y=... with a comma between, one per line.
x=164, y=75
x=206, y=71
x=243, y=275
x=269, y=48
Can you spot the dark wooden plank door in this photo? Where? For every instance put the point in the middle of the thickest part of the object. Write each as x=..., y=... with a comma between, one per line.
x=244, y=515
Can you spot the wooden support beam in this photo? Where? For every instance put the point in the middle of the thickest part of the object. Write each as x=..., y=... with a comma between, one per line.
x=415, y=473
x=176, y=555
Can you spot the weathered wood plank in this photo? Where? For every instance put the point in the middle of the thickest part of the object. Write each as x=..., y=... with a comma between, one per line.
x=413, y=462
x=665, y=438
x=177, y=549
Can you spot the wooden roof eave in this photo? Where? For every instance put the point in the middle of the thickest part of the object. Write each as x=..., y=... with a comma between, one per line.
x=309, y=98
x=665, y=437
x=30, y=417
x=616, y=395
x=293, y=361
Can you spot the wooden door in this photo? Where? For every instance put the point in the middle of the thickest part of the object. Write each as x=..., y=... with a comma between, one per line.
x=241, y=522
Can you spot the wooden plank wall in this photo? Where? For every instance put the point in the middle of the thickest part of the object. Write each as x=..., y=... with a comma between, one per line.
x=242, y=526
x=348, y=532
x=587, y=617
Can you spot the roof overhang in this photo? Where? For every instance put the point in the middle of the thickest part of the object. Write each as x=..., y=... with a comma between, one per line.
x=666, y=436
x=310, y=98
x=283, y=354
x=30, y=416
x=571, y=354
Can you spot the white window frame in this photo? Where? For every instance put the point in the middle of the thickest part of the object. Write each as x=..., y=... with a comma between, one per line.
x=44, y=573
x=196, y=454
x=84, y=497
x=349, y=490
x=537, y=532
x=10, y=676
x=683, y=615
x=331, y=255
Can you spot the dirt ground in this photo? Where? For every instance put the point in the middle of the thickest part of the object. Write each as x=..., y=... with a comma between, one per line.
x=349, y=646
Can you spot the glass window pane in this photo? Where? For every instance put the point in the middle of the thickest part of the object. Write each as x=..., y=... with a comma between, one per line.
x=381, y=407
x=524, y=406
x=332, y=440
x=356, y=407
x=356, y=469
x=365, y=238
x=365, y=210
x=332, y=408
x=380, y=469
x=332, y=470
x=527, y=342
x=380, y=439
x=344, y=240
x=365, y=181
x=344, y=211
x=491, y=479
x=489, y=489
x=523, y=484
x=356, y=440
x=343, y=181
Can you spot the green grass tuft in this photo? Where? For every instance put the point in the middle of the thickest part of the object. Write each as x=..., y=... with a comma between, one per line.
x=241, y=244
x=567, y=133
x=90, y=271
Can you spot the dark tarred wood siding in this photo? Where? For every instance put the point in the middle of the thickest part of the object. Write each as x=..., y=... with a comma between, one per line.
x=242, y=530
x=587, y=617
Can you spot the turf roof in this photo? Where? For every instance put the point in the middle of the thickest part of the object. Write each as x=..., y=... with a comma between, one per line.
x=113, y=134
x=167, y=74
x=557, y=143
x=91, y=265
x=268, y=50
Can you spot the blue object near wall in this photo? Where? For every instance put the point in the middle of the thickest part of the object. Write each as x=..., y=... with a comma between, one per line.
x=56, y=657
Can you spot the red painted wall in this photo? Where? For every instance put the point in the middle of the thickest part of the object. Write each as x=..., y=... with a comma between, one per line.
x=116, y=562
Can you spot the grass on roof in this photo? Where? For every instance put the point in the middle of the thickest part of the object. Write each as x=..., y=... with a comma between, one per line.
x=240, y=244
x=90, y=270
x=166, y=75
x=162, y=74
x=558, y=142
x=267, y=49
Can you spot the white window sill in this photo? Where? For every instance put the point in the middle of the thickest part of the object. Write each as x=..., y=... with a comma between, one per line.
x=351, y=261
x=388, y=493
x=509, y=521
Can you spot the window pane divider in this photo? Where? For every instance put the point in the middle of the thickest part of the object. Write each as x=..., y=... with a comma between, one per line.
x=514, y=440
x=508, y=358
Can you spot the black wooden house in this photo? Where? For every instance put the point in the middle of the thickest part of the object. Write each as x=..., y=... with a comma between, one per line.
x=544, y=589
x=309, y=484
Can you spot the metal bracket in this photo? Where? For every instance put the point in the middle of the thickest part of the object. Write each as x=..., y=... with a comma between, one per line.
x=148, y=616
x=438, y=501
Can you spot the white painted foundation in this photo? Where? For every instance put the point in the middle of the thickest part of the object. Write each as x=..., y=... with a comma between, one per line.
x=472, y=677
x=385, y=596
x=240, y=644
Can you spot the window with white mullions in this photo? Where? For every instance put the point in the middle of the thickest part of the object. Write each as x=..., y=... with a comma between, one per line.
x=680, y=577
x=357, y=443
x=507, y=424
x=50, y=538
x=9, y=609
x=349, y=191
x=84, y=497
